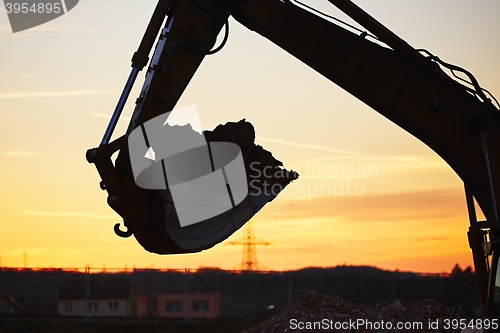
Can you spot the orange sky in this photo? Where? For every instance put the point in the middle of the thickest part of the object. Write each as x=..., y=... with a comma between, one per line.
x=59, y=85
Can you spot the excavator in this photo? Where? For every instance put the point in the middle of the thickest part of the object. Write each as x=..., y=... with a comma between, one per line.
x=439, y=103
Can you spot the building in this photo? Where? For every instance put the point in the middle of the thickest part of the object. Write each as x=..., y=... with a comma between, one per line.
x=107, y=297
x=175, y=305
x=8, y=304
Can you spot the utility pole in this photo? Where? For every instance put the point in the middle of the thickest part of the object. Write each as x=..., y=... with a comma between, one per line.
x=393, y=290
x=87, y=291
x=290, y=289
x=186, y=293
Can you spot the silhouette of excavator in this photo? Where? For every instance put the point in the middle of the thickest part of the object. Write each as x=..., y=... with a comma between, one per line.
x=454, y=116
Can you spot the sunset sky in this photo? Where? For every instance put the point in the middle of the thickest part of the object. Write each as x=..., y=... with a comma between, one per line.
x=369, y=192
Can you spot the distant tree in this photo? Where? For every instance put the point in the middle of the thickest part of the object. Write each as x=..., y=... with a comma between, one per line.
x=456, y=270
x=468, y=270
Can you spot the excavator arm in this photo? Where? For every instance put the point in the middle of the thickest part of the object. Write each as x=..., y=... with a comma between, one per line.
x=405, y=85
x=409, y=89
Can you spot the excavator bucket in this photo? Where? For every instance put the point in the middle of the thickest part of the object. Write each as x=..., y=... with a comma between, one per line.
x=170, y=218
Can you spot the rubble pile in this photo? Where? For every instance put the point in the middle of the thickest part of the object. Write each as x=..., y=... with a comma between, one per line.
x=333, y=314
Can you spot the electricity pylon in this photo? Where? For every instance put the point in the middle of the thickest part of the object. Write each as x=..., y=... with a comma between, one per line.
x=249, y=258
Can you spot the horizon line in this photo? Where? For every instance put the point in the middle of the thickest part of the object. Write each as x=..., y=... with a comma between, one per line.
x=116, y=270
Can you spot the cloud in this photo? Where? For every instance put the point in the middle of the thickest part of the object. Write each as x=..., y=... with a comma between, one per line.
x=18, y=252
x=20, y=153
x=55, y=94
x=7, y=30
x=36, y=32
x=107, y=116
x=439, y=204
x=431, y=239
x=308, y=146
x=71, y=214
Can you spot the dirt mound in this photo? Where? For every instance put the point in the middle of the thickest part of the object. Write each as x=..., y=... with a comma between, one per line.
x=321, y=313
